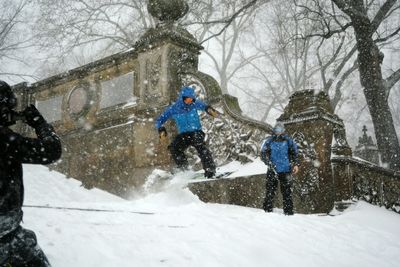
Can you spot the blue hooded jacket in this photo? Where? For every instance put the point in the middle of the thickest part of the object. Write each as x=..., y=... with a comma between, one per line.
x=281, y=151
x=185, y=115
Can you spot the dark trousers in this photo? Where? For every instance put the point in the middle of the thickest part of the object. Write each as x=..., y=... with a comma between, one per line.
x=285, y=181
x=196, y=139
x=20, y=249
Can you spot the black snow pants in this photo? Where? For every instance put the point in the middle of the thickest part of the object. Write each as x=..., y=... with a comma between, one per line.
x=196, y=139
x=285, y=181
x=19, y=248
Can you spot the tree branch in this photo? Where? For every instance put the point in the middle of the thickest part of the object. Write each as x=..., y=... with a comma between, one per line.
x=228, y=21
x=391, y=81
x=338, y=92
x=381, y=14
x=384, y=39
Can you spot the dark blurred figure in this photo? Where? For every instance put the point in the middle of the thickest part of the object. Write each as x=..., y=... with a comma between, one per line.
x=18, y=246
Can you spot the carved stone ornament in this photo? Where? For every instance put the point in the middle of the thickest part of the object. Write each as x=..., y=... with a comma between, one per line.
x=167, y=10
x=79, y=100
x=153, y=72
x=193, y=81
x=340, y=136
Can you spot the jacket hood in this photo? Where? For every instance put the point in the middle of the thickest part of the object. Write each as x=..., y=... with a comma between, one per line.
x=7, y=97
x=279, y=128
x=187, y=91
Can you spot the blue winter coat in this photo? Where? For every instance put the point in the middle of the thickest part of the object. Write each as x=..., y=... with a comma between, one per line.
x=185, y=115
x=281, y=151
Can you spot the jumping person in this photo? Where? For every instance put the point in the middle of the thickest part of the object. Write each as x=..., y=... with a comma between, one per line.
x=18, y=246
x=279, y=153
x=185, y=113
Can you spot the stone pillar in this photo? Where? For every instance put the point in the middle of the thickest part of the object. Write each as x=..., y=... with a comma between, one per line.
x=164, y=52
x=309, y=119
x=342, y=178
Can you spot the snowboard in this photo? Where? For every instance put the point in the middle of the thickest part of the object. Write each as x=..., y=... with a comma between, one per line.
x=159, y=178
x=218, y=175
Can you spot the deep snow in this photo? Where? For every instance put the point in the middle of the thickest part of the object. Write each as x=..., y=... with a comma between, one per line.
x=183, y=231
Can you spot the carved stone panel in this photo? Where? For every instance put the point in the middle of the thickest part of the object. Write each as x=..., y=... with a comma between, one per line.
x=153, y=80
x=117, y=90
x=80, y=100
x=51, y=108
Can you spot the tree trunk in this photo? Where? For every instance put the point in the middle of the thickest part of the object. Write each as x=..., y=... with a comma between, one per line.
x=370, y=59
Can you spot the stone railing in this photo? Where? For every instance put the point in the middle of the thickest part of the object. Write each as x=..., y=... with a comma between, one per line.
x=106, y=123
x=369, y=182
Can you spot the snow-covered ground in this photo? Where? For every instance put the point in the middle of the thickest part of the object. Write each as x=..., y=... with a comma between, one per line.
x=183, y=231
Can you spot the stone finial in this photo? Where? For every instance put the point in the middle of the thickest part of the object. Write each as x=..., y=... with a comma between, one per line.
x=365, y=140
x=365, y=130
x=366, y=149
x=167, y=10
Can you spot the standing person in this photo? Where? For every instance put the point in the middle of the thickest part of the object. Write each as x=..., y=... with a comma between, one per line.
x=185, y=113
x=279, y=152
x=18, y=246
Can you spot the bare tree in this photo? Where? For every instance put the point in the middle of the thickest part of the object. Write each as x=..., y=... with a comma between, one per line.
x=98, y=27
x=332, y=23
x=221, y=24
x=370, y=58
x=108, y=27
x=74, y=23
x=284, y=64
x=351, y=22
x=12, y=40
x=394, y=104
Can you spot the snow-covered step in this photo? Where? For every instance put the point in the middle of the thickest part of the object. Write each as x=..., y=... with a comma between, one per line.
x=344, y=204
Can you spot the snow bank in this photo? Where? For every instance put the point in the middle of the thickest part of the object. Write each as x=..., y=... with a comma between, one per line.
x=183, y=231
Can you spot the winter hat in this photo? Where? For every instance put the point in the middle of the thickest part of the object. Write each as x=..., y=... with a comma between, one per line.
x=188, y=92
x=7, y=97
x=279, y=128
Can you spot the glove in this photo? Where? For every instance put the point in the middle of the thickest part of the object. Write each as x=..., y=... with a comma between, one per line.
x=211, y=111
x=270, y=165
x=33, y=117
x=162, y=132
x=295, y=169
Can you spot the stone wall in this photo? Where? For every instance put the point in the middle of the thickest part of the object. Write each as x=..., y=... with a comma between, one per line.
x=106, y=127
x=247, y=191
x=244, y=191
x=310, y=120
x=352, y=179
x=369, y=182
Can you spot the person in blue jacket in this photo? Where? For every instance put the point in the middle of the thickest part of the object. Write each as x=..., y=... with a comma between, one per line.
x=279, y=152
x=185, y=113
